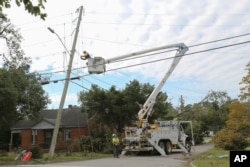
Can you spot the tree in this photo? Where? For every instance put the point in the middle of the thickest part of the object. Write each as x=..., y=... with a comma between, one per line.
x=34, y=8
x=21, y=92
x=208, y=115
x=110, y=110
x=21, y=96
x=245, y=82
x=216, y=109
x=8, y=100
x=14, y=58
x=236, y=133
x=31, y=96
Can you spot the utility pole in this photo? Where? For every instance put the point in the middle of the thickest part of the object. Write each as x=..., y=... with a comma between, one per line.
x=66, y=84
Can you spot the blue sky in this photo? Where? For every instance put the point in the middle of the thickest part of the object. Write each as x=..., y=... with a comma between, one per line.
x=116, y=27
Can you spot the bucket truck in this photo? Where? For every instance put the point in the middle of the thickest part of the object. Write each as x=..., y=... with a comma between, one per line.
x=161, y=136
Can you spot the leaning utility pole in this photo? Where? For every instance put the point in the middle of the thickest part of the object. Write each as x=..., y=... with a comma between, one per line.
x=59, y=114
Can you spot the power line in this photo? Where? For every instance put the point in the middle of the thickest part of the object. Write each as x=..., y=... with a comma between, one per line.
x=164, y=24
x=153, y=61
x=182, y=56
x=174, y=50
x=149, y=14
x=122, y=24
x=223, y=39
x=79, y=85
x=237, y=36
x=50, y=18
x=188, y=46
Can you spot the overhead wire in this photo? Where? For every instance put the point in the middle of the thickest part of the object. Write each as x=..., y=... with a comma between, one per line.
x=113, y=13
x=171, y=14
x=188, y=47
x=237, y=36
x=172, y=50
x=152, y=61
x=145, y=55
x=206, y=50
x=160, y=52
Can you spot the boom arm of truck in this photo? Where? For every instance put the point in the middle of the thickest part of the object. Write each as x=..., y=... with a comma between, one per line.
x=97, y=65
x=147, y=108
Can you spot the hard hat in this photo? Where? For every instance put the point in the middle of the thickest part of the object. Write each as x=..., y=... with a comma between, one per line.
x=113, y=134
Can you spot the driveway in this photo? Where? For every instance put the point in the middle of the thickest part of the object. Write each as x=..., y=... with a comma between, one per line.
x=190, y=157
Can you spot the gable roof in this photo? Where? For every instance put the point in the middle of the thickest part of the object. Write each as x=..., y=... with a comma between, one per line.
x=71, y=117
x=44, y=124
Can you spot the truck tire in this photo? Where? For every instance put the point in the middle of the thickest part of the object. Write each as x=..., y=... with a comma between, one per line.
x=168, y=149
x=188, y=146
x=162, y=145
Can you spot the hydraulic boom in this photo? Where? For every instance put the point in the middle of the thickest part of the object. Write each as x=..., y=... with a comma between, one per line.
x=97, y=65
x=162, y=136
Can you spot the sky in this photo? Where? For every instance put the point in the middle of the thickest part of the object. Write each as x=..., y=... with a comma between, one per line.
x=116, y=27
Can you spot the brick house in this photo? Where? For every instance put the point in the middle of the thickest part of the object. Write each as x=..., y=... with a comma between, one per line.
x=25, y=133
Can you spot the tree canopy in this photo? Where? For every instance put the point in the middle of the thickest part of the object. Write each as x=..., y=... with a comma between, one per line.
x=110, y=110
x=20, y=90
x=208, y=115
x=235, y=135
x=14, y=57
x=32, y=7
x=30, y=94
x=245, y=85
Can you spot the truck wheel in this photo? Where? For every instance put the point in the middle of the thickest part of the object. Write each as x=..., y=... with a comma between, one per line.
x=188, y=146
x=162, y=145
x=168, y=149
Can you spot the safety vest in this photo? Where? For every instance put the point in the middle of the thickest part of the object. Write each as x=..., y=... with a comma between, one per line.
x=115, y=140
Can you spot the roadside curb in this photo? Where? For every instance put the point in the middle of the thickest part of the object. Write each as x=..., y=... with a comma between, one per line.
x=192, y=165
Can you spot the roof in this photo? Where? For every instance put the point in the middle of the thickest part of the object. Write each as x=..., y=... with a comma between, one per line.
x=71, y=117
x=23, y=124
x=43, y=125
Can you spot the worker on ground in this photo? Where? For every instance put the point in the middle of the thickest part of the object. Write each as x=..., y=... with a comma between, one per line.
x=115, y=142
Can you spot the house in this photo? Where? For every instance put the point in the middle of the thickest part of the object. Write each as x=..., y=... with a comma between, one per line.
x=25, y=133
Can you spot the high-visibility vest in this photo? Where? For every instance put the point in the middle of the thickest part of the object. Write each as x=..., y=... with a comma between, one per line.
x=115, y=140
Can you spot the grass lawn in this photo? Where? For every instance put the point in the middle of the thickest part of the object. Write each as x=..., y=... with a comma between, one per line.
x=213, y=158
x=9, y=158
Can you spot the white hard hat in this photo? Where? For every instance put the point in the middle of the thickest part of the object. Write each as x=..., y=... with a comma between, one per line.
x=113, y=134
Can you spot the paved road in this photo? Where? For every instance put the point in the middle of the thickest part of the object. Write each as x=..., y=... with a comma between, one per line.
x=176, y=159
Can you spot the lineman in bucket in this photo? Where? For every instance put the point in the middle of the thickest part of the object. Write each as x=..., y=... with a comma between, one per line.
x=115, y=142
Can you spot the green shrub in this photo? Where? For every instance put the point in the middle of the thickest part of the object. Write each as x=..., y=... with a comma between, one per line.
x=72, y=145
x=86, y=143
x=95, y=145
x=36, y=152
x=230, y=140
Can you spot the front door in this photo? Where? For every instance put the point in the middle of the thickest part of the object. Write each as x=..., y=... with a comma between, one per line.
x=47, y=137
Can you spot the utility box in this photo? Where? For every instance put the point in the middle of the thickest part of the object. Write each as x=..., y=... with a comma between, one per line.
x=96, y=65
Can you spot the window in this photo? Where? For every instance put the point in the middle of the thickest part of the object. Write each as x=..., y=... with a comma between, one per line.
x=67, y=134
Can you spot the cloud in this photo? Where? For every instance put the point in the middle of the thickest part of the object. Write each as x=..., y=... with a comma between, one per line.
x=117, y=27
